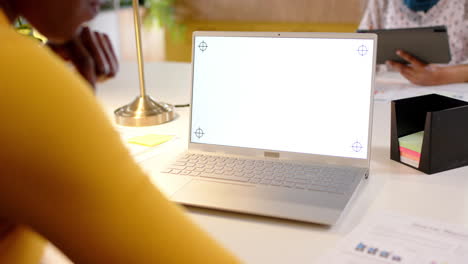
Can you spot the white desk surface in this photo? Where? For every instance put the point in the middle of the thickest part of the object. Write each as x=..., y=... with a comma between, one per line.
x=391, y=186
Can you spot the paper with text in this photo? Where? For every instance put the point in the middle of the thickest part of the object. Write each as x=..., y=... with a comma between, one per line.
x=389, y=238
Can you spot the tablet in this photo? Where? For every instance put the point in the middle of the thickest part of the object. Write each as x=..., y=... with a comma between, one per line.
x=428, y=44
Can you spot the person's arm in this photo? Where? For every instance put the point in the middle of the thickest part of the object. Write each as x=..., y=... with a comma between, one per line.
x=20, y=245
x=421, y=73
x=67, y=175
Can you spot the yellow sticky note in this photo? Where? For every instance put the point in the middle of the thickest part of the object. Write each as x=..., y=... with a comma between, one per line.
x=150, y=140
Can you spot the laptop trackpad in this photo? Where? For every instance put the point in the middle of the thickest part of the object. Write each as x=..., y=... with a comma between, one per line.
x=202, y=192
x=170, y=184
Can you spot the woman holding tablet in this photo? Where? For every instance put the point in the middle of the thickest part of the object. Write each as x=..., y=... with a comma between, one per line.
x=385, y=14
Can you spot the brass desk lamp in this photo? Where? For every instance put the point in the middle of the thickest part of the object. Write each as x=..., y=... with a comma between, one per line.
x=143, y=111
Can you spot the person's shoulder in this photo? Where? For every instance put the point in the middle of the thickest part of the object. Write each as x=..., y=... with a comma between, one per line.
x=19, y=49
x=15, y=47
x=27, y=60
x=374, y=14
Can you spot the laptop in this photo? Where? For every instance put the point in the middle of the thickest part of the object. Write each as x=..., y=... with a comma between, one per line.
x=280, y=124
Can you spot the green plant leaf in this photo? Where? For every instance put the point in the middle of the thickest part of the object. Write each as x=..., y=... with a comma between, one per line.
x=162, y=14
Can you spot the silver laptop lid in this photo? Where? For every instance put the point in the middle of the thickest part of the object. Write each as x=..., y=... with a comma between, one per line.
x=295, y=96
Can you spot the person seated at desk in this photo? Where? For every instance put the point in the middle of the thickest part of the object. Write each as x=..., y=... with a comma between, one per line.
x=383, y=14
x=65, y=175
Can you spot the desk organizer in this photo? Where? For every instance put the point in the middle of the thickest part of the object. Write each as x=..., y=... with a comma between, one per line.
x=444, y=121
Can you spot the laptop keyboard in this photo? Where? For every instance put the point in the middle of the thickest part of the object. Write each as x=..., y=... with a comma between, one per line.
x=263, y=172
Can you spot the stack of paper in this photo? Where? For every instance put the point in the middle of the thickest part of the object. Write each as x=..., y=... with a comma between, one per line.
x=410, y=148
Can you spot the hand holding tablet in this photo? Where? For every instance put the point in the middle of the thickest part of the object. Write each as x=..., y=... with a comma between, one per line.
x=426, y=44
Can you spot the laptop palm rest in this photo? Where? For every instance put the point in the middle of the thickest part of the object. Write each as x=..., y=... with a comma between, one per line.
x=317, y=207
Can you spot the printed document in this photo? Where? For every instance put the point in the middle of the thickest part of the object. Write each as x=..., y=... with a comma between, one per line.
x=390, y=238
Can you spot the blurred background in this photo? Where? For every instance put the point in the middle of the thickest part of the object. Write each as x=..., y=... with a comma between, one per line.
x=168, y=24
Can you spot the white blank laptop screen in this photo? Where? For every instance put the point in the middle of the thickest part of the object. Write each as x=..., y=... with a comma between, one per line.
x=304, y=95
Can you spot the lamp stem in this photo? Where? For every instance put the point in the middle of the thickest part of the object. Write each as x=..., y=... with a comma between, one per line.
x=143, y=111
x=141, y=70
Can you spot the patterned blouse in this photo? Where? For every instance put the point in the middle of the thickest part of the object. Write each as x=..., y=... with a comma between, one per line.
x=451, y=13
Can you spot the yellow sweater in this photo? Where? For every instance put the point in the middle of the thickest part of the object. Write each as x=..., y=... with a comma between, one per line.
x=65, y=173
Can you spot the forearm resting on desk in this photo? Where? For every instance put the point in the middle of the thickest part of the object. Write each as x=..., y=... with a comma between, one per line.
x=421, y=73
x=454, y=74
x=433, y=74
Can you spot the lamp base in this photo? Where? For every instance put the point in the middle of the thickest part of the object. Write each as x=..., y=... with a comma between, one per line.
x=144, y=111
